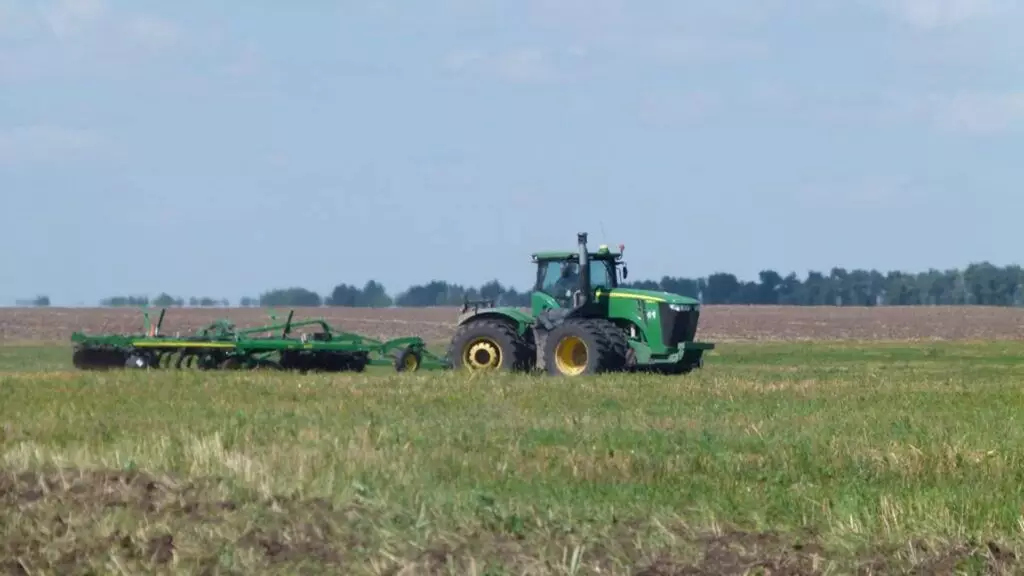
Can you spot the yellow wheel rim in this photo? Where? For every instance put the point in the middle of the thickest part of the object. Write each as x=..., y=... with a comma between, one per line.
x=410, y=363
x=571, y=356
x=482, y=354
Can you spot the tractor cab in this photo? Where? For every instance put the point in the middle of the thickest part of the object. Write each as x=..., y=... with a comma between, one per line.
x=567, y=280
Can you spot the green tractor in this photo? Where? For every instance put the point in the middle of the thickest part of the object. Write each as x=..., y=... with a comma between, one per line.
x=581, y=322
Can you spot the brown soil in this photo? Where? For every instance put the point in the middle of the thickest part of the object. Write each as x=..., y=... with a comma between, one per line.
x=109, y=521
x=78, y=522
x=735, y=552
x=718, y=323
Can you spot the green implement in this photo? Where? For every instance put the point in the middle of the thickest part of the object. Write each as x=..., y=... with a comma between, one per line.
x=581, y=321
x=221, y=346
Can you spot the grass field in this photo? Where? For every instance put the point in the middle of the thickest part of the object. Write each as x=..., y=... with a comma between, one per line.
x=784, y=458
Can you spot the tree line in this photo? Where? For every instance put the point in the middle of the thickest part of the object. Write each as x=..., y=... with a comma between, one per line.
x=977, y=284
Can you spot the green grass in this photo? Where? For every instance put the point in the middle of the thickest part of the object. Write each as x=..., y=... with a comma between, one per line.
x=808, y=457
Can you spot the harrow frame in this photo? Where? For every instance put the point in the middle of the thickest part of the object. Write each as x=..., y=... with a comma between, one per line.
x=221, y=346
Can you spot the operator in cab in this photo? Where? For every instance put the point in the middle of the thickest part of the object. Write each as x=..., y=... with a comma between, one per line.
x=568, y=281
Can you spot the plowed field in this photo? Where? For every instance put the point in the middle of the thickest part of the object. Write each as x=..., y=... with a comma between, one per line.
x=718, y=323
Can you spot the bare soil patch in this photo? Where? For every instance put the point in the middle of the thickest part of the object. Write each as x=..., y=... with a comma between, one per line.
x=85, y=522
x=57, y=324
x=718, y=323
x=78, y=522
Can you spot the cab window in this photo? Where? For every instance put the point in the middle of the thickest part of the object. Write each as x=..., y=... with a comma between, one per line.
x=559, y=276
x=600, y=275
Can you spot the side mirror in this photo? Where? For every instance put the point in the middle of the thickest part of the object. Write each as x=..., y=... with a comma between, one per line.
x=625, y=272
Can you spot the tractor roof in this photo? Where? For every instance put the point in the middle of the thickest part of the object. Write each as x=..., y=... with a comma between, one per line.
x=567, y=255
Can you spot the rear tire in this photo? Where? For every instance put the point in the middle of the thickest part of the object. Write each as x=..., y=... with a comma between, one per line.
x=585, y=346
x=489, y=344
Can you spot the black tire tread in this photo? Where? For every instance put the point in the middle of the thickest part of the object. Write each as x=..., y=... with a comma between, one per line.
x=399, y=362
x=610, y=342
x=522, y=352
x=618, y=344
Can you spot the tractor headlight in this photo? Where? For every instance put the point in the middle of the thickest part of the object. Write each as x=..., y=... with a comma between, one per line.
x=680, y=307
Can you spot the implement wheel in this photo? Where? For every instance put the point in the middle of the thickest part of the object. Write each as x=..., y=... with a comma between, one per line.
x=584, y=346
x=488, y=344
x=408, y=360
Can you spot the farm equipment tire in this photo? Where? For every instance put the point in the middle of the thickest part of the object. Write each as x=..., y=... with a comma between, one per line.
x=618, y=358
x=408, y=360
x=489, y=344
x=208, y=361
x=584, y=346
x=358, y=362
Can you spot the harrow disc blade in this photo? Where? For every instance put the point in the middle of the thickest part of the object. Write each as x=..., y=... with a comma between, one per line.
x=98, y=358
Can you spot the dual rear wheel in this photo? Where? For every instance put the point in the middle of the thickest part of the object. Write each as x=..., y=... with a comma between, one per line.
x=490, y=344
x=574, y=348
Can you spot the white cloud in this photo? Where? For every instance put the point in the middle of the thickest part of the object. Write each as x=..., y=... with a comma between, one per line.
x=978, y=112
x=68, y=19
x=25, y=144
x=966, y=111
x=658, y=30
x=863, y=192
x=587, y=14
x=152, y=31
x=461, y=60
x=90, y=25
x=526, y=64
x=935, y=14
x=639, y=18
x=663, y=109
x=16, y=20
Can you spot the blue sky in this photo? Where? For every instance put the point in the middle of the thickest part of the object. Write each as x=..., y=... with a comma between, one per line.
x=223, y=148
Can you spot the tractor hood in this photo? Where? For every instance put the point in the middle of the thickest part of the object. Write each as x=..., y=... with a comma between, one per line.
x=649, y=295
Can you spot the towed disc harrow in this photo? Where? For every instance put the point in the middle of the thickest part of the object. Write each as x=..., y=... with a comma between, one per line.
x=222, y=346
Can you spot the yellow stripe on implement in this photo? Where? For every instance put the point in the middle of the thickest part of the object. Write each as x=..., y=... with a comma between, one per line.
x=644, y=297
x=151, y=344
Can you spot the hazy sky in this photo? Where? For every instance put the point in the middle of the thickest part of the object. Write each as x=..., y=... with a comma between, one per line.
x=223, y=148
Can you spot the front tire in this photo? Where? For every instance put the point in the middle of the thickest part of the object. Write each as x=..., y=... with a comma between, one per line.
x=584, y=346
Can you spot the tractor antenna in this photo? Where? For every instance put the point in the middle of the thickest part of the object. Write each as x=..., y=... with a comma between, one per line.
x=604, y=239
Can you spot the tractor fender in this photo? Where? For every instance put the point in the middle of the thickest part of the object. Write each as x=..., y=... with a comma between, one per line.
x=521, y=320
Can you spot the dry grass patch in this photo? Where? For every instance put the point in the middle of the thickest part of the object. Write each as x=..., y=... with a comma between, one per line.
x=797, y=460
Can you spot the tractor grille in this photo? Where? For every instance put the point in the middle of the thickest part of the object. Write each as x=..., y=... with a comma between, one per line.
x=677, y=327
